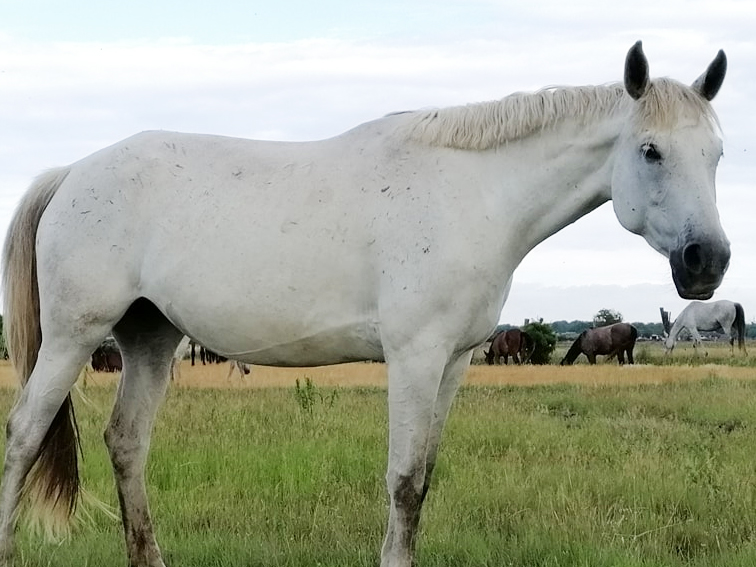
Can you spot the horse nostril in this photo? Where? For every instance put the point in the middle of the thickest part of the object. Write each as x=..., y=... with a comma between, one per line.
x=693, y=258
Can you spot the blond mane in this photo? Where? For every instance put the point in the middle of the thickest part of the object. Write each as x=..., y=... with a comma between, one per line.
x=487, y=125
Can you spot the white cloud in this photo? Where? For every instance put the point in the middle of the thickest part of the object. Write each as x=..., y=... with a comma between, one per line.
x=61, y=101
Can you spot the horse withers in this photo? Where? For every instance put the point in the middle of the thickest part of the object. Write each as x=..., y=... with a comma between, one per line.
x=350, y=249
x=513, y=342
x=611, y=340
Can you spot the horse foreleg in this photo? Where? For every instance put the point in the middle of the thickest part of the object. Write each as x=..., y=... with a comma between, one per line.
x=454, y=374
x=413, y=385
x=697, y=340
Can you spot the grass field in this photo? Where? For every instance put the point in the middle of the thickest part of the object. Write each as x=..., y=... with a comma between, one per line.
x=541, y=466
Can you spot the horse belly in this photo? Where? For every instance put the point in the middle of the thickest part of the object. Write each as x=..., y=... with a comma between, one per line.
x=282, y=315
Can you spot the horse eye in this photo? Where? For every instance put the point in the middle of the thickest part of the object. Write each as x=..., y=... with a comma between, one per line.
x=650, y=153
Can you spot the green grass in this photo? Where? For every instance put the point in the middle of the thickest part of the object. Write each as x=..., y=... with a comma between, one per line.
x=556, y=476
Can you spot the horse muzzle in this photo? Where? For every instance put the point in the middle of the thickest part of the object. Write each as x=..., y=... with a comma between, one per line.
x=698, y=268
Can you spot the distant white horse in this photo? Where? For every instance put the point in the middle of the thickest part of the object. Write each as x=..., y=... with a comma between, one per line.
x=183, y=349
x=242, y=367
x=178, y=355
x=366, y=246
x=723, y=315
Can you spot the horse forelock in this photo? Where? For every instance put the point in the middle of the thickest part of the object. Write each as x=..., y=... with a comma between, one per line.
x=486, y=125
x=667, y=102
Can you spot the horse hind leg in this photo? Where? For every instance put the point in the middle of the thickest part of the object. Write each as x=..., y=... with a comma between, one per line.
x=148, y=342
x=42, y=439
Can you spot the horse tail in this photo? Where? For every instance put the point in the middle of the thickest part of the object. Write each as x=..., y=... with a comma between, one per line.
x=574, y=351
x=740, y=325
x=53, y=482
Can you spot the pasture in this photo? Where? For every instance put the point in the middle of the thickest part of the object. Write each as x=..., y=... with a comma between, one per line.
x=541, y=466
x=356, y=255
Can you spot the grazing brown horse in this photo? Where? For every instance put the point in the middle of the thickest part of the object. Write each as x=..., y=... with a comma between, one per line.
x=107, y=358
x=610, y=340
x=515, y=343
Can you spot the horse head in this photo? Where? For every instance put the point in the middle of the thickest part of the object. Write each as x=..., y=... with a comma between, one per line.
x=489, y=355
x=669, y=345
x=663, y=174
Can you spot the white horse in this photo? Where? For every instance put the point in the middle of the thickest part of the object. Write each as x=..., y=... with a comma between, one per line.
x=242, y=367
x=178, y=355
x=698, y=316
x=183, y=349
x=366, y=246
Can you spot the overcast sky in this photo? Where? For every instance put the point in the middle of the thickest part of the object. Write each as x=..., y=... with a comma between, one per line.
x=78, y=76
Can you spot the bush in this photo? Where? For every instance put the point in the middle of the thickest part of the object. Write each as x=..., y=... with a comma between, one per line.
x=544, y=339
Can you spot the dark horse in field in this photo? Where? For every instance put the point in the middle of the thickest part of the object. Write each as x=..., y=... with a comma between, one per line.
x=515, y=343
x=613, y=339
x=107, y=358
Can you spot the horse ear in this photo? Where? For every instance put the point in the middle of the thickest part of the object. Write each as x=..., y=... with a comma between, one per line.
x=636, y=71
x=709, y=83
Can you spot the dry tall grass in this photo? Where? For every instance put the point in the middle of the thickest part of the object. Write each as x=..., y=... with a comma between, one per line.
x=374, y=375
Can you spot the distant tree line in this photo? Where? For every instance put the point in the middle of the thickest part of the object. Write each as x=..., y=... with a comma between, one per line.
x=573, y=328
x=647, y=330
x=569, y=327
x=564, y=328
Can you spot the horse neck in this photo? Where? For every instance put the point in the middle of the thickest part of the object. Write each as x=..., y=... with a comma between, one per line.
x=575, y=350
x=553, y=178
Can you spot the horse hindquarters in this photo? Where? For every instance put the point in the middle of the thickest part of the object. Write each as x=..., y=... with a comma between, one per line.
x=41, y=430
